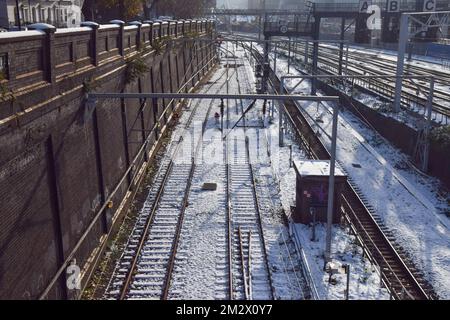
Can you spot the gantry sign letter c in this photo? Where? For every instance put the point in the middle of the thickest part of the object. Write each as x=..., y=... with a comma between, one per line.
x=429, y=5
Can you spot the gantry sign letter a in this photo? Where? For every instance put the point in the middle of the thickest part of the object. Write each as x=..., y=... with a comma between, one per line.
x=364, y=5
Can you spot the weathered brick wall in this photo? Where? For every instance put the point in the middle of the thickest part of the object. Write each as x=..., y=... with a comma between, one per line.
x=59, y=161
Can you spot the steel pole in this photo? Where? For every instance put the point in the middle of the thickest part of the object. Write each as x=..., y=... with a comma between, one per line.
x=428, y=126
x=177, y=96
x=275, y=59
x=280, y=116
x=403, y=38
x=306, y=52
x=315, y=54
x=331, y=183
x=341, y=45
x=265, y=64
x=227, y=85
x=275, y=70
x=289, y=56
x=346, y=59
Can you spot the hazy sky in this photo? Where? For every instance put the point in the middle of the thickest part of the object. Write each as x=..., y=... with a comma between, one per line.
x=233, y=3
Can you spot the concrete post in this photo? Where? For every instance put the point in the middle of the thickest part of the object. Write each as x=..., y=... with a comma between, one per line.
x=331, y=183
x=94, y=39
x=403, y=38
x=139, y=33
x=49, y=50
x=121, y=34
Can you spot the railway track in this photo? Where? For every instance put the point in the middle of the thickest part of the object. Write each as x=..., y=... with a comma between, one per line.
x=145, y=269
x=398, y=273
x=249, y=271
x=414, y=93
x=249, y=266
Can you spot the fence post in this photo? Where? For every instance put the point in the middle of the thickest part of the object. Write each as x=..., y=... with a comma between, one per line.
x=94, y=39
x=139, y=33
x=121, y=34
x=49, y=51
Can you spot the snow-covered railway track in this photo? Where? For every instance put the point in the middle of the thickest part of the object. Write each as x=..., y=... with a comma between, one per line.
x=145, y=268
x=249, y=271
x=414, y=91
x=399, y=275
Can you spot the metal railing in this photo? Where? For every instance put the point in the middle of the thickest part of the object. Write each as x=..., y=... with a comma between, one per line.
x=378, y=258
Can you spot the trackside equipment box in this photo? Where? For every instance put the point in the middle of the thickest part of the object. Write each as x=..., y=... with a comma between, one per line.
x=312, y=191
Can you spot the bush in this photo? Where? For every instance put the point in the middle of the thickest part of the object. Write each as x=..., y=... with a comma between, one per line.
x=441, y=135
x=135, y=68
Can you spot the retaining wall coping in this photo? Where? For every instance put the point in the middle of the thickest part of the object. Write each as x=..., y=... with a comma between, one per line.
x=72, y=30
x=109, y=26
x=130, y=27
x=20, y=34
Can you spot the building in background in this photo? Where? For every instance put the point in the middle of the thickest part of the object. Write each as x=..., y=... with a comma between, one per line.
x=276, y=4
x=255, y=4
x=211, y=3
x=60, y=13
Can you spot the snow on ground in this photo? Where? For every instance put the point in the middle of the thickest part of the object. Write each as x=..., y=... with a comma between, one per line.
x=201, y=267
x=364, y=281
x=408, y=203
x=428, y=62
x=413, y=117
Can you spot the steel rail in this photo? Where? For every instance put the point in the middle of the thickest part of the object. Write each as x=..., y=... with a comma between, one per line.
x=257, y=206
x=155, y=206
x=328, y=59
x=350, y=189
x=363, y=229
x=244, y=273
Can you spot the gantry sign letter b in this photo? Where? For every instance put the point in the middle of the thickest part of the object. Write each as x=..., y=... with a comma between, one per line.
x=393, y=6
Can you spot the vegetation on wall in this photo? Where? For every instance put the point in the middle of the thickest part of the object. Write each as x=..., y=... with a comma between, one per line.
x=3, y=87
x=158, y=45
x=5, y=92
x=136, y=67
x=441, y=135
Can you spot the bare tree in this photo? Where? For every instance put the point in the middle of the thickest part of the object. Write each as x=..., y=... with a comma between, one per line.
x=180, y=9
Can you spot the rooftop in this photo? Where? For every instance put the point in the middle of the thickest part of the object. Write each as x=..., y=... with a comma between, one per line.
x=316, y=168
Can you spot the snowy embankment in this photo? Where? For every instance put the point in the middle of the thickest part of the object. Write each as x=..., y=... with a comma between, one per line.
x=364, y=278
x=409, y=204
x=201, y=270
